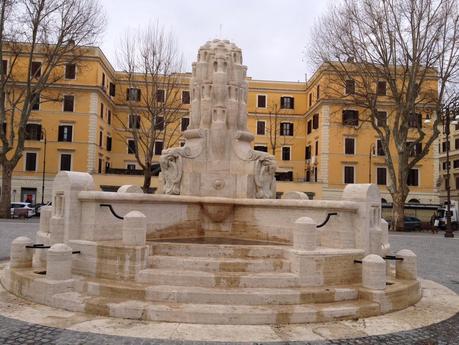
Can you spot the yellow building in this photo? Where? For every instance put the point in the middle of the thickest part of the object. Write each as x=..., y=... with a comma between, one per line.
x=301, y=123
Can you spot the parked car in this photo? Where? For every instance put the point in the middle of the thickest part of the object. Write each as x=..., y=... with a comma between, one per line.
x=22, y=210
x=412, y=223
x=39, y=206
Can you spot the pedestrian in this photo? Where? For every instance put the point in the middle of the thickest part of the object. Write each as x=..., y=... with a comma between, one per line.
x=433, y=223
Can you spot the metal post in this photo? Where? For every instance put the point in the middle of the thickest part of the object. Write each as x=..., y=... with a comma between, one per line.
x=372, y=147
x=44, y=168
x=448, y=232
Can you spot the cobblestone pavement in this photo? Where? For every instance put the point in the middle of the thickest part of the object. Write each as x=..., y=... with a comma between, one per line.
x=13, y=332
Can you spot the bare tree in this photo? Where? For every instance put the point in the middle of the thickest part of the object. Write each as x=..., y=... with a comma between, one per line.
x=152, y=63
x=52, y=32
x=413, y=47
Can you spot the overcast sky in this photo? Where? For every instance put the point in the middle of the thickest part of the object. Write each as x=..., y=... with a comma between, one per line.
x=272, y=34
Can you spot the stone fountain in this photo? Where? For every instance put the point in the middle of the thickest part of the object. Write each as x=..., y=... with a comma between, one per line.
x=213, y=246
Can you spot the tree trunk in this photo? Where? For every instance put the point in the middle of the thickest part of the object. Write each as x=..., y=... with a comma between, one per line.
x=5, y=201
x=398, y=211
x=146, y=180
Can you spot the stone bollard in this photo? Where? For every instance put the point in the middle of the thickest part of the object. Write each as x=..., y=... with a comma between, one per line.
x=129, y=188
x=20, y=256
x=59, y=262
x=134, y=229
x=305, y=234
x=407, y=268
x=45, y=217
x=374, y=272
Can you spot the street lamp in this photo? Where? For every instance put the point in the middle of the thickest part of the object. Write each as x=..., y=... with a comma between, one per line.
x=370, y=154
x=446, y=119
x=43, y=133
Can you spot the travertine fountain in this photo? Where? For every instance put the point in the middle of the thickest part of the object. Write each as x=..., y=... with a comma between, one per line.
x=214, y=246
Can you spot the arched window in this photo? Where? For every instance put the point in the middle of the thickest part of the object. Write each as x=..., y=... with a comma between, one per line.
x=414, y=201
x=383, y=201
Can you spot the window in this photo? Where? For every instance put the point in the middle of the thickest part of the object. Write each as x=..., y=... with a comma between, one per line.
x=308, y=176
x=33, y=131
x=69, y=103
x=318, y=91
x=381, y=118
x=381, y=88
x=35, y=69
x=349, y=174
x=415, y=120
x=65, y=133
x=350, y=118
x=160, y=96
x=112, y=89
x=70, y=71
x=416, y=150
x=186, y=97
x=131, y=146
x=456, y=164
x=130, y=167
x=134, y=121
x=349, y=87
x=31, y=161
x=381, y=176
x=286, y=128
x=66, y=162
x=159, y=122
x=285, y=153
x=444, y=146
x=315, y=121
x=307, y=154
x=456, y=143
x=310, y=99
x=261, y=127
x=4, y=67
x=261, y=101
x=185, y=123
x=35, y=101
x=315, y=174
x=317, y=148
x=287, y=102
x=349, y=146
x=133, y=94
x=457, y=182
x=103, y=80
x=101, y=135
x=109, y=117
x=262, y=148
x=413, y=177
x=107, y=167
x=109, y=143
x=158, y=147
x=379, y=148
x=309, y=127
x=101, y=110
x=99, y=166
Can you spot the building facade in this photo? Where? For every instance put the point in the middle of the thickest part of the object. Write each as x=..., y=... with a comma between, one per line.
x=85, y=119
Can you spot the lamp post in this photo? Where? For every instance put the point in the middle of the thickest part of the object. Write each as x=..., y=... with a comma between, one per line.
x=446, y=122
x=43, y=133
x=370, y=154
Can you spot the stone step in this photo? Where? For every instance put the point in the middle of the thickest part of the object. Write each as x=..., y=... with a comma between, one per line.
x=249, y=296
x=218, y=250
x=216, y=313
x=202, y=295
x=156, y=276
x=219, y=264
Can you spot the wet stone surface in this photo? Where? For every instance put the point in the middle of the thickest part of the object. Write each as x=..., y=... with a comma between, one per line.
x=19, y=332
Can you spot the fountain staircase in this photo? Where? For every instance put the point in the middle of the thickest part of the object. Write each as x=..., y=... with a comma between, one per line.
x=217, y=283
